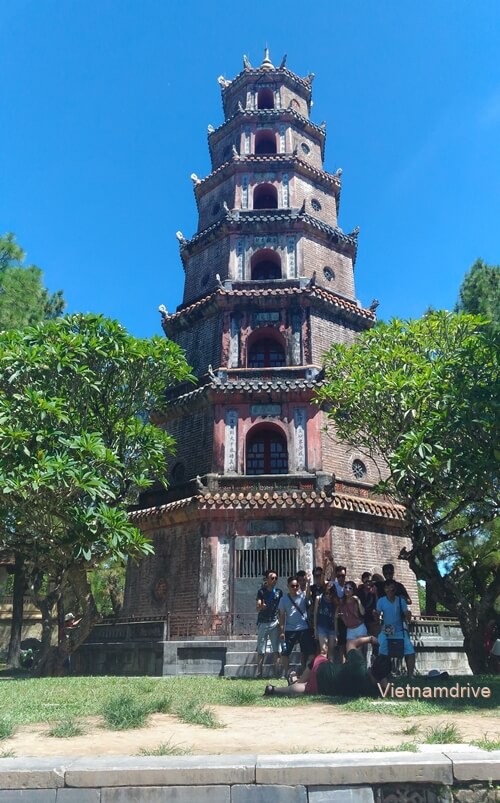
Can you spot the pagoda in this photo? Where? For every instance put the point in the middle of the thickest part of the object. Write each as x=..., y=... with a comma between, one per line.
x=258, y=481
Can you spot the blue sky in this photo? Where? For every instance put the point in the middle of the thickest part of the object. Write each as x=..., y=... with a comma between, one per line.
x=105, y=106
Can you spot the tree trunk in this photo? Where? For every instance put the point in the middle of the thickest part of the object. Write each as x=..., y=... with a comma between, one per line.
x=17, y=612
x=430, y=601
x=54, y=661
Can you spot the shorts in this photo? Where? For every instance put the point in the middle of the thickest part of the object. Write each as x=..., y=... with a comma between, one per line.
x=312, y=683
x=324, y=633
x=383, y=646
x=265, y=631
x=303, y=637
x=356, y=632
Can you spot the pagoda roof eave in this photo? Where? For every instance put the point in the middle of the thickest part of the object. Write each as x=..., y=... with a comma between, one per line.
x=241, y=219
x=223, y=387
x=283, y=501
x=271, y=115
x=225, y=297
x=240, y=163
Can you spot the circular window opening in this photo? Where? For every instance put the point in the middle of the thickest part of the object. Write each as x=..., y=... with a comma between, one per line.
x=305, y=148
x=358, y=469
x=216, y=208
x=315, y=204
x=329, y=274
x=205, y=280
x=179, y=472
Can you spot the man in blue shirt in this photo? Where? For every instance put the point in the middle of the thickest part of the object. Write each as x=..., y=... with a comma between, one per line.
x=294, y=624
x=268, y=598
x=395, y=620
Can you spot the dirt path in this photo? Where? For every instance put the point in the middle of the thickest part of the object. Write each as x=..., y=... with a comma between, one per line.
x=305, y=729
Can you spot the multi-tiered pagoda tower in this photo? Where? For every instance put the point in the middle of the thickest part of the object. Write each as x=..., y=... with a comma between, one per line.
x=269, y=285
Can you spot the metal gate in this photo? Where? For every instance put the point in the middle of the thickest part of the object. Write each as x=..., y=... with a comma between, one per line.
x=286, y=554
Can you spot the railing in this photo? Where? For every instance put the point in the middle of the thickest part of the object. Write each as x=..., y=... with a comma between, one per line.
x=185, y=625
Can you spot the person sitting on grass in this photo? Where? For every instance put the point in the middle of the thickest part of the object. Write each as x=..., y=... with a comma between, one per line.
x=351, y=679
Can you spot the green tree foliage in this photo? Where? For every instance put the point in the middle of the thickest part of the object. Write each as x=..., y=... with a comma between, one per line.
x=423, y=395
x=24, y=301
x=76, y=448
x=480, y=292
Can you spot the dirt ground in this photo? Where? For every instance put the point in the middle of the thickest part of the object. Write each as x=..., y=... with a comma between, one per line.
x=305, y=729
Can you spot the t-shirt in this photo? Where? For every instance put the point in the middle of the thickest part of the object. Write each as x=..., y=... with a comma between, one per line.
x=400, y=589
x=346, y=680
x=393, y=615
x=271, y=599
x=368, y=600
x=296, y=614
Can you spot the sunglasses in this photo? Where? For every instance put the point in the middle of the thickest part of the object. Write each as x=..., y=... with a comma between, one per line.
x=294, y=585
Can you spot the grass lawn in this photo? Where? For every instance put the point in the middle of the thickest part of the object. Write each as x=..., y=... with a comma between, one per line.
x=24, y=700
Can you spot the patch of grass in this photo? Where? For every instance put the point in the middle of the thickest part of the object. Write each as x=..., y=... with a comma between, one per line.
x=27, y=700
x=165, y=749
x=7, y=754
x=443, y=733
x=242, y=695
x=124, y=711
x=65, y=729
x=485, y=743
x=404, y=747
x=410, y=730
x=161, y=705
x=6, y=728
x=198, y=715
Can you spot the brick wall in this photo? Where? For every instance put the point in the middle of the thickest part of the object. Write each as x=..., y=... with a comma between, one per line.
x=315, y=255
x=176, y=561
x=202, y=267
x=194, y=437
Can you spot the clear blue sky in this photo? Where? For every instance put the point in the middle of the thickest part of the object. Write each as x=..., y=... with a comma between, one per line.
x=105, y=106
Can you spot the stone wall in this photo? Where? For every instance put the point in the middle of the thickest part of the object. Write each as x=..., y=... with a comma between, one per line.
x=451, y=776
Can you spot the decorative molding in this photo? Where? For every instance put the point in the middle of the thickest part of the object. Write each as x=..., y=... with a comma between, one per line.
x=291, y=257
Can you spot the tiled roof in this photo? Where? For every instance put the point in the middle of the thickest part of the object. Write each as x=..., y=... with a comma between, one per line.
x=243, y=159
x=283, y=500
x=270, y=113
x=252, y=386
x=315, y=291
x=239, y=218
x=266, y=72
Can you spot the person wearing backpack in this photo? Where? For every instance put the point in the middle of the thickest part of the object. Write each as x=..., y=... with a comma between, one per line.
x=294, y=624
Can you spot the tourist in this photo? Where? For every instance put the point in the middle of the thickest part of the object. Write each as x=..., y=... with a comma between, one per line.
x=340, y=627
x=388, y=572
x=367, y=594
x=351, y=679
x=293, y=622
x=324, y=622
x=352, y=612
x=319, y=584
x=268, y=598
x=395, y=620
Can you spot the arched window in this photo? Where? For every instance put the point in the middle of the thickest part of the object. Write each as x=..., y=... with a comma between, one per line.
x=265, y=196
x=266, y=452
x=266, y=353
x=265, y=265
x=265, y=142
x=265, y=99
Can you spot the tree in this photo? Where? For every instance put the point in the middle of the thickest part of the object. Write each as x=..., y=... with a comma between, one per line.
x=422, y=395
x=480, y=292
x=24, y=301
x=76, y=448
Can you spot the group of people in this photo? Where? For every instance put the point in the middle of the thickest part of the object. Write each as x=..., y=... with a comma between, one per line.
x=329, y=620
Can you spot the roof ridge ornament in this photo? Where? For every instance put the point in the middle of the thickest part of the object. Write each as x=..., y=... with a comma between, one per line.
x=246, y=63
x=223, y=82
x=266, y=62
x=283, y=63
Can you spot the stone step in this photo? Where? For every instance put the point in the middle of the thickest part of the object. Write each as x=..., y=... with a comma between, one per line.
x=238, y=670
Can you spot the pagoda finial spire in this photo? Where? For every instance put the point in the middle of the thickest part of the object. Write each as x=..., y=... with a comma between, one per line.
x=266, y=63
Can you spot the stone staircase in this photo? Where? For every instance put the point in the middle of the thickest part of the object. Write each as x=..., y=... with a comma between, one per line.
x=241, y=660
